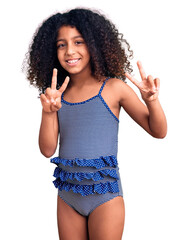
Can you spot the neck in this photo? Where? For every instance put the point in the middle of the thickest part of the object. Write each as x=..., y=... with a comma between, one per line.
x=81, y=79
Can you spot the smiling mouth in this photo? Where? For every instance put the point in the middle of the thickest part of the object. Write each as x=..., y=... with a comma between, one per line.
x=72, y=62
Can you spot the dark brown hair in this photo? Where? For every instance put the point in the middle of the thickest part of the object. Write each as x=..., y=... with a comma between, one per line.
x=109, y=52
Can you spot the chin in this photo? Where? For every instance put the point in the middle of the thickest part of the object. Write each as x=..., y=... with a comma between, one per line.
x=73, y=72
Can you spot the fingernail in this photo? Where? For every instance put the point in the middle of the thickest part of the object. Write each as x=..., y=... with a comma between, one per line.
x=52, y=100
x=47, y=101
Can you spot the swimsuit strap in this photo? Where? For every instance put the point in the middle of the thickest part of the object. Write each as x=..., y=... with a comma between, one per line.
x=99, y=94
x=103, y=86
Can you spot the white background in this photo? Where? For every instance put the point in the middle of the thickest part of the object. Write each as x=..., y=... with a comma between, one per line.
x=153, y=171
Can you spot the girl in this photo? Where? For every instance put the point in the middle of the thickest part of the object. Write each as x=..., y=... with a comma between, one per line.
x=88, y=62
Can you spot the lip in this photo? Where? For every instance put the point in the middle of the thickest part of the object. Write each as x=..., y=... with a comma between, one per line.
x=75, y=61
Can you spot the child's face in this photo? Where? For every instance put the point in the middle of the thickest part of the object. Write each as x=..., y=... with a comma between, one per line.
x=72, y=51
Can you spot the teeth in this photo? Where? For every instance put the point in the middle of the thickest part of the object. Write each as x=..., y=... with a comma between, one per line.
x=73, y=61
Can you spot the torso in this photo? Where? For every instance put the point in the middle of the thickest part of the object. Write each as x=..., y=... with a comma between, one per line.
x=110, y=96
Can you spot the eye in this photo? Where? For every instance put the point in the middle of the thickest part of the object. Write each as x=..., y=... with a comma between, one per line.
x=79, y=42
x=61, y=45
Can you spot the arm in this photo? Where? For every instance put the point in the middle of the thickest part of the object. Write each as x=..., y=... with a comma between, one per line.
x=150, y=115
x=51, y=102
x=48, y=135
x=157, y=119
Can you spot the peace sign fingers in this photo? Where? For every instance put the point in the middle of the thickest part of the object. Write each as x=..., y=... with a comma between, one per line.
x=64, y=85
x=148, y=86
x=132, y=79
x=54, y=79
x=141, y=70
x=151, y=83
x=51, y=100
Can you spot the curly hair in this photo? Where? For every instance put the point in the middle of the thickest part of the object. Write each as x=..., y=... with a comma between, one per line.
x=109, y=52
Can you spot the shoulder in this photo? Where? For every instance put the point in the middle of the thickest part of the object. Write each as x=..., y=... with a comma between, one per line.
x=119, y=88
x=118, y=84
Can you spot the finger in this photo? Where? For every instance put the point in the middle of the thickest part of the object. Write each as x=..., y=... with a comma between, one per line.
x=48, y=92
x=151, y=84
x=58, y=105
x=55, y=106
x=44, y=98
x=141, y=70
x=64, y=85
x=54, y=79
x=157, y=83
x=132, y=79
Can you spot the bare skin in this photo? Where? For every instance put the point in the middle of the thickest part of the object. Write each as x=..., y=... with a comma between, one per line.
x=51, y=103
x=71, y=225
x=108, y=216
x=150, y=116
x=107, y=220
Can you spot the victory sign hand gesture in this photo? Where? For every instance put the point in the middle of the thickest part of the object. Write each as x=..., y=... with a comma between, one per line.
x=148, y=87
x=51, y=100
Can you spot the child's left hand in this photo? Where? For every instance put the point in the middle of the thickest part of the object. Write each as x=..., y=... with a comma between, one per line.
x=148, y=87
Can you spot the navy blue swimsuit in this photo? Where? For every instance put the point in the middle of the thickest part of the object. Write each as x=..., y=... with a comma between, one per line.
x=87, y=172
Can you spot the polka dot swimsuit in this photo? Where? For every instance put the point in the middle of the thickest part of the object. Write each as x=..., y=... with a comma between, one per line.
x=87, y=172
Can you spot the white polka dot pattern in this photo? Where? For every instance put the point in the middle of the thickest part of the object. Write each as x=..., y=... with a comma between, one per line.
x=80, y=176
x=86, y=189
x=97, y=163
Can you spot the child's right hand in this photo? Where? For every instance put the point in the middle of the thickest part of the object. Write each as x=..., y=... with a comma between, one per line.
x=51, y=100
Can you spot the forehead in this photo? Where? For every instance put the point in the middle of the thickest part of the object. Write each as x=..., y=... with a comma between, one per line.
x=68, y=32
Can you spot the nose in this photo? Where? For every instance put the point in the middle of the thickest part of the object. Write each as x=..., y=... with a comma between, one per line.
x=70, y=50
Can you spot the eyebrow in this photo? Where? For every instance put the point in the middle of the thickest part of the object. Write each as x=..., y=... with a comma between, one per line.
x=61, y=39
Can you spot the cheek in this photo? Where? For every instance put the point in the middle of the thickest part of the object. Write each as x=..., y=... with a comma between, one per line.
x=86, y=54
x=61, y=60
x=60, y=56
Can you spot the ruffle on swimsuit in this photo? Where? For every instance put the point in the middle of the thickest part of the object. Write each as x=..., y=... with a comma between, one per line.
x=96, y=162
x=85, y=190
x=80, y=176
